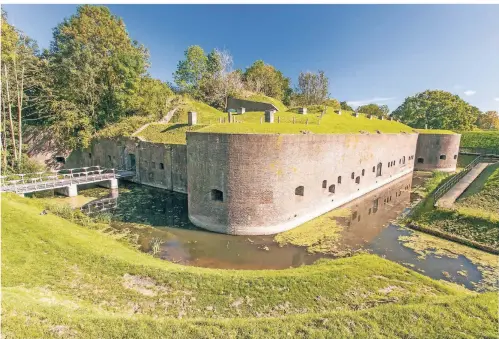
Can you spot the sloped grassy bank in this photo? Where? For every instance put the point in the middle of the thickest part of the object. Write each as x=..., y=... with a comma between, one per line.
x=65, y=280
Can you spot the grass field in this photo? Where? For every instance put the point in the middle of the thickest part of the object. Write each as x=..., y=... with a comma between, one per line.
x=60, y=279
x=480, y=139
x=167, y=133
x=476, y=213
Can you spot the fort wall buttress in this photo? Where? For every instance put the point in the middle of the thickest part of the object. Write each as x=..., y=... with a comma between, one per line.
x=437, y=152
x=265, y=184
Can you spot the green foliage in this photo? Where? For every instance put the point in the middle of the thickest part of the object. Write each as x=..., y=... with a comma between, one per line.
x=480, y=139
x=374, y=110
x=437, y=110
x=191, y=70
x=312, y=88
x=265, y=79
x=70, y=280
x=344, y=106
x=125, y=127
x=488, y=120
x=151, y=98
x=167, y=133
x=95, y=68
x=333, y=103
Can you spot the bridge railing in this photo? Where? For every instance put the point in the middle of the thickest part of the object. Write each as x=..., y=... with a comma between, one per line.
x=450, y=183
x=479, y=151
x=23, y=182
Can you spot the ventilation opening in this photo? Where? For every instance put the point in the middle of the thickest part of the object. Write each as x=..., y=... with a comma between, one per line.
x=332, y=189
x=324, y=183
x=300, y=190
x=109, y=158
x=443, y=157
x=374, y=169
x=161, y=165
x=420, y=161
x=375, y=205
x=455, y=157
x=357, y=180
x=90, y=155
x=60, y=160
x=363, y=172
x=403, y=160
x=353, y=175
x=339, y=179
x=217, y=195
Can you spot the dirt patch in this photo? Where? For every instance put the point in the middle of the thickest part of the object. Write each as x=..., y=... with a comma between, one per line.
x=143, y=285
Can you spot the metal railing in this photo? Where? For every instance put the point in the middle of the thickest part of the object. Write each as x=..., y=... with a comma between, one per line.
x=31, y=182
x=479, y=151
x=453, y=180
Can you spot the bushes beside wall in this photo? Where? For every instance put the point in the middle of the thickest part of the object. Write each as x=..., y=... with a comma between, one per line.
x=480, y=139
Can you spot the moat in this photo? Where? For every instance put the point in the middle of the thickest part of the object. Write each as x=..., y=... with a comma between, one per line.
x=368, y=228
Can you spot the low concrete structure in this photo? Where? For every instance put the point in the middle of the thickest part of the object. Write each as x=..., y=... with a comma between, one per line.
x=302, y=110
x=68, y=191
x=250, y=106
x=241, y=110
x=437, y=152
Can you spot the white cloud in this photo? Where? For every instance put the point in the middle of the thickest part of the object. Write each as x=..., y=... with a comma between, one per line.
x=496, y=99
x=469, y=92
x=375, y=100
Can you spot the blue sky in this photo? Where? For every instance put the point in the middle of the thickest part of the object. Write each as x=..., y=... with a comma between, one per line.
x=371, y=53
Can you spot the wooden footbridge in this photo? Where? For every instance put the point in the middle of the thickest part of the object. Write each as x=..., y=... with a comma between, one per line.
x=64, y=181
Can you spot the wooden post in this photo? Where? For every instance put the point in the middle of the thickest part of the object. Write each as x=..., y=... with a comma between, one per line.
x=261, y=120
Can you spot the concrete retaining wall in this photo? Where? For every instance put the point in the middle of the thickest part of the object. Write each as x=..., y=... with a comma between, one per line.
x=437, y=152
x=250, y=106
x=265, y=184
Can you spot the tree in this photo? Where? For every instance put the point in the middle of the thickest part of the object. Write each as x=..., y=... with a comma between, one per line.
x=313, y=87
x=94, y=66
x=488, y=120
x=333, y=103
x=375, y=110
x=19, y=72
x=191, y=70
x=437, y=109
x=220, y=81
x=344, y=106
x=151, y=98
x=265, y=79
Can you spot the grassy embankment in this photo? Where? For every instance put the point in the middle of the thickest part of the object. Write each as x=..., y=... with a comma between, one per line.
x=480, y=139
x=434, y=131
x=64, y=280
x=475, y=216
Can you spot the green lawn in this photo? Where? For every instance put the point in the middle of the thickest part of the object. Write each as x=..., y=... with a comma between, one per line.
x=476, y=213
x=167, y=133
x=434, y=131
x=480, y=139
x=64, y=280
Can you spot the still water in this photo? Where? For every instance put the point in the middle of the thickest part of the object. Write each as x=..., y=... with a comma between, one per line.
x=369, y=227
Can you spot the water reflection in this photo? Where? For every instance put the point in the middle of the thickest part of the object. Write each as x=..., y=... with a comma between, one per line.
x=369, y=227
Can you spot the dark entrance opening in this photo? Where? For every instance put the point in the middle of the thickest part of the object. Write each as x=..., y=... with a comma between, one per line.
x=217, y=195
x=131, y=157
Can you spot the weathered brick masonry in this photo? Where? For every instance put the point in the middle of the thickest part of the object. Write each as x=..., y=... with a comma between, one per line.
x=156, y=164
x=264, y=184
x=437, y=152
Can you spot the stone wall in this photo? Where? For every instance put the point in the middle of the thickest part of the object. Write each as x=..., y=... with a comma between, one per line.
x=156, y=164
x=250, y=106
x=437, y=152
x=265, y=184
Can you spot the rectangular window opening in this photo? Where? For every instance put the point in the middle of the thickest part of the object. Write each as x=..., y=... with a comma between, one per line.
x=324, y=183
x=300, y=190
x=217, y=195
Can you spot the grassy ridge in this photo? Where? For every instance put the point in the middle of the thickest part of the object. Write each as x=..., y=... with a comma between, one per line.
x=167, y=133
x=262, y=98
x=434, y=131
x=68, y=280
x=480, y=139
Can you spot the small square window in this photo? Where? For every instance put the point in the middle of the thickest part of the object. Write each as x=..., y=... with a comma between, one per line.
x=455, y=157
x=217, y=195
x=443, y=157
x=324, y=183
x=353, y=175
x=339, y=179
x=300, y=190
x=363, y=172
x=420, y=161
x=161, y=165
x=332, y=189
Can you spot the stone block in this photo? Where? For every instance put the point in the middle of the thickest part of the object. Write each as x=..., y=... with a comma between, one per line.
x=269, y=116
x=192, y=118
